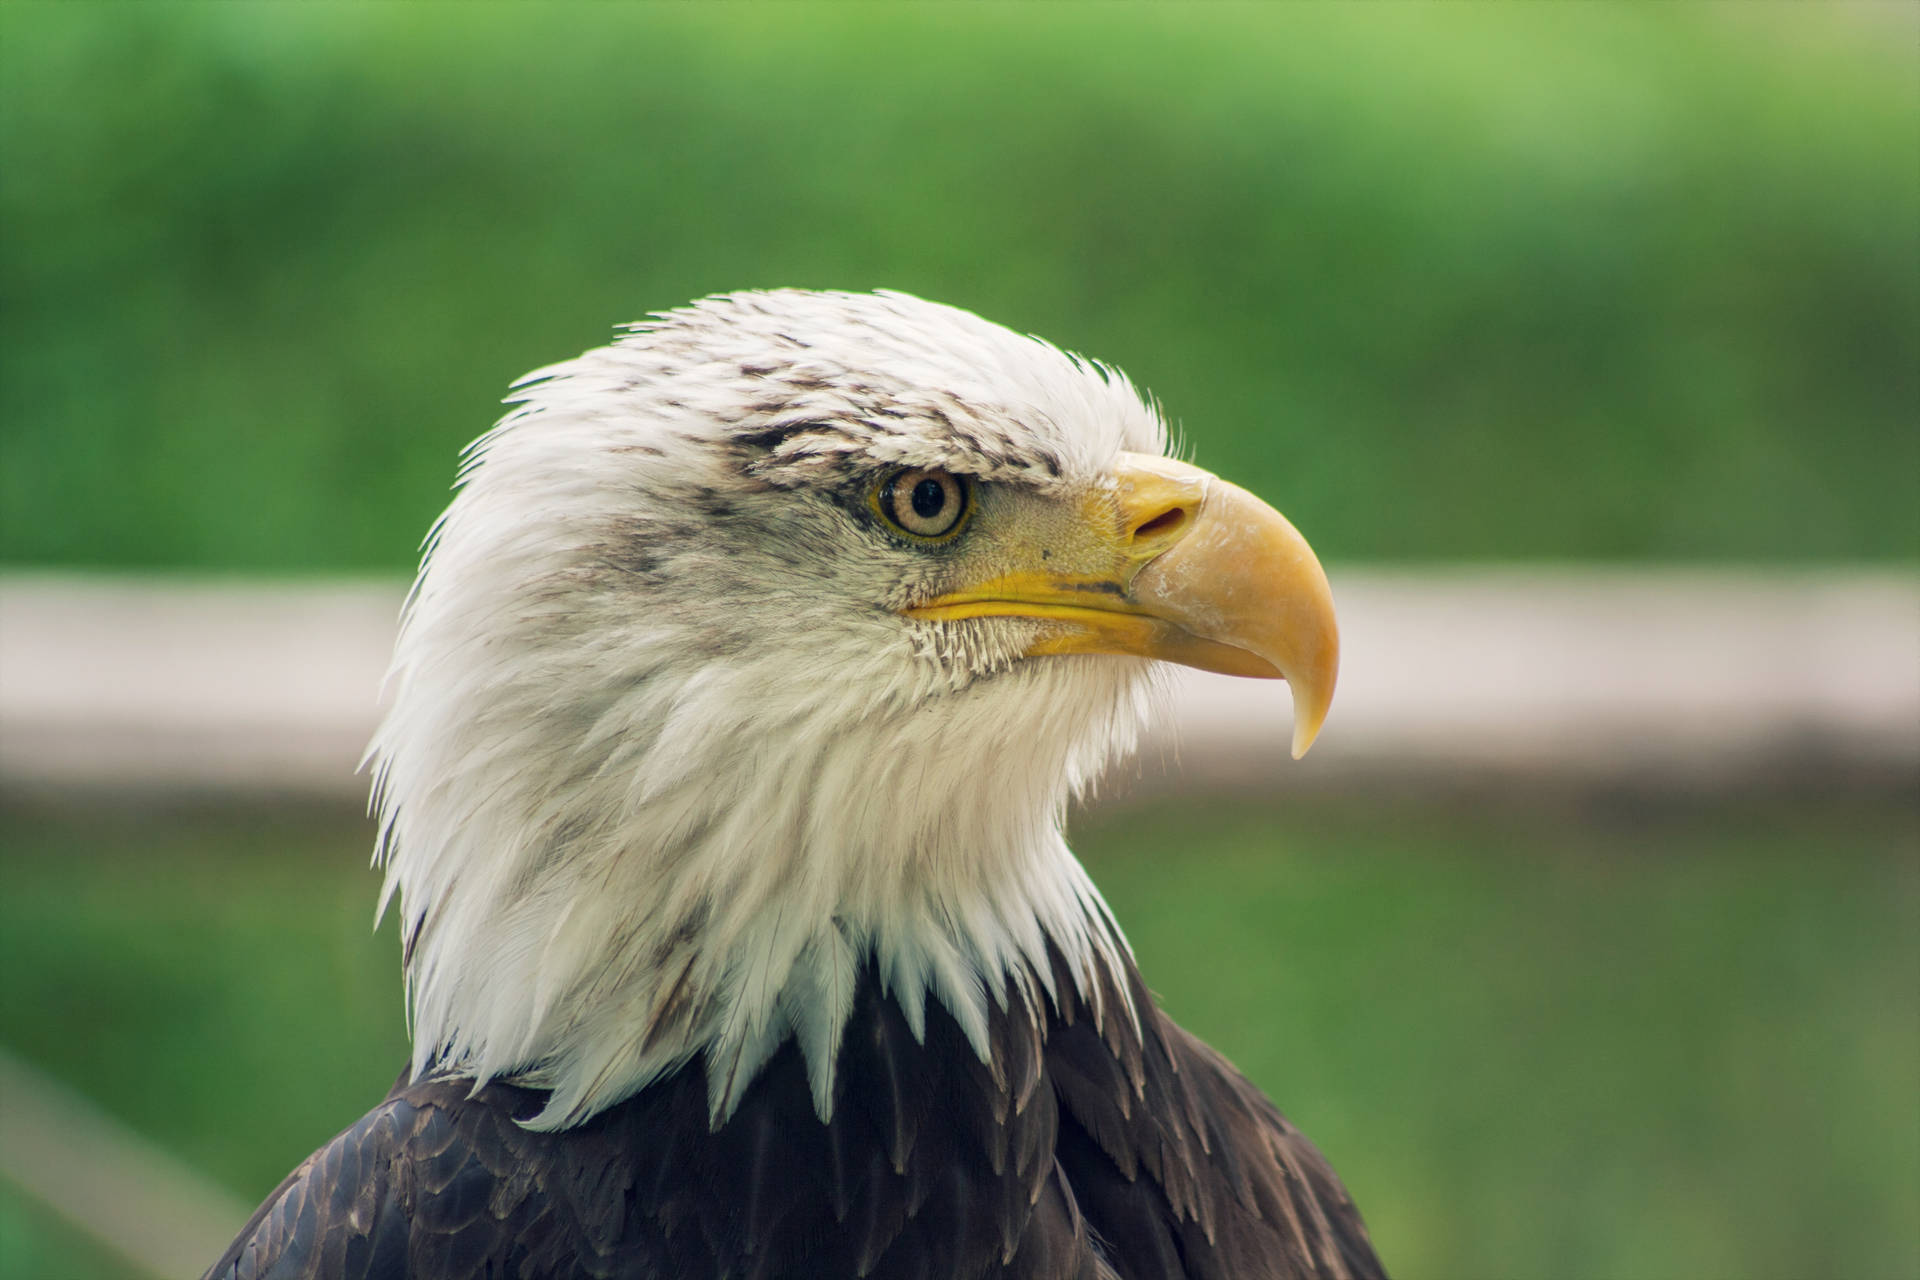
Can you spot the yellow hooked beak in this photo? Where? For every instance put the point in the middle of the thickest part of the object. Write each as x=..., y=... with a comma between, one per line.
x=1174, y=563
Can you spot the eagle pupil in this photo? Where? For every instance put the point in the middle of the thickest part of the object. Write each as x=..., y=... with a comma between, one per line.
x=929, y=497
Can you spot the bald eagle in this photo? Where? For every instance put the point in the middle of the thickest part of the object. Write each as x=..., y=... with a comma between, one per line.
x=736, y=709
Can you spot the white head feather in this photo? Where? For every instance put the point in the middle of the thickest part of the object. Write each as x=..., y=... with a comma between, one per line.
x=664, y=763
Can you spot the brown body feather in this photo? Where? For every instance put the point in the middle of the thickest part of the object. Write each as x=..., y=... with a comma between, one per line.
x=1083, y=1150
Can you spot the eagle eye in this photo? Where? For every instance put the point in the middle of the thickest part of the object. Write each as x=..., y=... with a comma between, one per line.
x=924, y=503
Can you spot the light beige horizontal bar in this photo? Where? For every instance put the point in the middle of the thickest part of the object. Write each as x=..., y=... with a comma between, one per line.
x=263, y=686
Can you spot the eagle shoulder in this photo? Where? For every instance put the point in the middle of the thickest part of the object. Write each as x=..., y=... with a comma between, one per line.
x=935, y=1165
x=1183, y=1168
x=1097, y=1141
x=434, y=1183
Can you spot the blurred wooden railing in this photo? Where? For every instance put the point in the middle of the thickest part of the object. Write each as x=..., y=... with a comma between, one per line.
x=1669, y=677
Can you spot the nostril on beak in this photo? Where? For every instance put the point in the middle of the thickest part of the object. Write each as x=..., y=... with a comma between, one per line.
x=1162, y=526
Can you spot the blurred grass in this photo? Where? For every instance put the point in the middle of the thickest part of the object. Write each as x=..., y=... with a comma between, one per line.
x=1499, y=281
x=1537, y=1041
x=35, y=1244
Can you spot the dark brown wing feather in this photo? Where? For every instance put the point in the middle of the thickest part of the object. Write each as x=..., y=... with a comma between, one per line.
x=936, y=1165
x=1184, y=1169
x=1083, y=1150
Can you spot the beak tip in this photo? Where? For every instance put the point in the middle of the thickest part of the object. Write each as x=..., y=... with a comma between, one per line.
x=1310, y=707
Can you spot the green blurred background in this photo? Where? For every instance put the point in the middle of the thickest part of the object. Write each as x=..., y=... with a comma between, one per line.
x=1550, y=282
x=1631, y=282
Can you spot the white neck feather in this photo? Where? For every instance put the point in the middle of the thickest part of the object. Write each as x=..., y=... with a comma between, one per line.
x=588, y=924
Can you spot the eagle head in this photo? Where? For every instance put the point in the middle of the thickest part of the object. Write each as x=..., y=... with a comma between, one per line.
x=769, y=641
